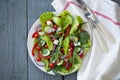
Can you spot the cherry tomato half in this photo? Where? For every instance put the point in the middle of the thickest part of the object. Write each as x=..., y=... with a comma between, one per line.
x=35, y=35
x=55, y=26
x=81, y=55
x=38, y=59
x=52, y=65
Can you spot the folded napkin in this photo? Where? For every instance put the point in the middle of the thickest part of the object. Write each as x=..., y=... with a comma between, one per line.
x=98, y=65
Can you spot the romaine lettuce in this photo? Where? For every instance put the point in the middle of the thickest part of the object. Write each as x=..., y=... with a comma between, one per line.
x=63, y=22
x=45, y=17
x=49, y=42
x=66, y=44
x=77, y=21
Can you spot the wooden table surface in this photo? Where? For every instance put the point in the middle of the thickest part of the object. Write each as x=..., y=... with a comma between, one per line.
x=16, y=19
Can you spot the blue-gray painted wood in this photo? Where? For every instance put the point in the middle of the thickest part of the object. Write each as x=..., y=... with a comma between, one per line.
x=117, y=1
x=35, y=8
x=72, y=76
x=13, y=54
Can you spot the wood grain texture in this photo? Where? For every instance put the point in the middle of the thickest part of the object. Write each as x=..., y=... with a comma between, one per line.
x=117, y=1
x=16, y=19
x=72, y=76
x=35, y=8
x=13, y=54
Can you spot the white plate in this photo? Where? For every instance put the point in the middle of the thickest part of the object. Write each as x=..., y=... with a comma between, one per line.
x=30, y=44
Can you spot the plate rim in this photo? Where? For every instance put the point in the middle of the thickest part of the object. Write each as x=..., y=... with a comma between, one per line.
x=34, y=25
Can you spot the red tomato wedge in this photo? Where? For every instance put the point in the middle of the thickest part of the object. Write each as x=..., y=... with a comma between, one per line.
x=35, y=45
x=38, y=47
x=67, y=31
x=62, y=51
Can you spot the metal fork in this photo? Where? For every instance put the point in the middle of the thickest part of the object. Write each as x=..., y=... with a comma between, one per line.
x=98, y=27
x=96, y=21
x=94, y=26
x=97, y=33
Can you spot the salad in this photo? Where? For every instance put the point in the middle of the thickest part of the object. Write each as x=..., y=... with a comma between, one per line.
x=60, y=43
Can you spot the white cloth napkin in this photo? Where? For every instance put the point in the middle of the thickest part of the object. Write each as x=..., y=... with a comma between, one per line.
x=99, y=65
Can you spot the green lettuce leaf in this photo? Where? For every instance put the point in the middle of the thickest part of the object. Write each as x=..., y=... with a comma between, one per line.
x=61, y=70
x=63, y=21
x=87, y=48
x=66, y=21
x=48, y=41
x=76, y=59
x=54, y=57
x=87, y=45
x=77, y=21
x=84, y=37
x=35, y=40
x=57, y=20
x=65, y=13
x=77, y=62
x=66, y=44
x=46, y=62
x=60, y=41
x=45, y=17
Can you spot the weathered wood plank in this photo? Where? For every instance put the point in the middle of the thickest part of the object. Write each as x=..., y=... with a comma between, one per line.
x=3, y=52
x=35, y=8
x=117, y=1
x=13, y=53
x=72, y=76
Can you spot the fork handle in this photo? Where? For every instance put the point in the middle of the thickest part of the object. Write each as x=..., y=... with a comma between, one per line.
x=100, y=40
x=108, y=35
